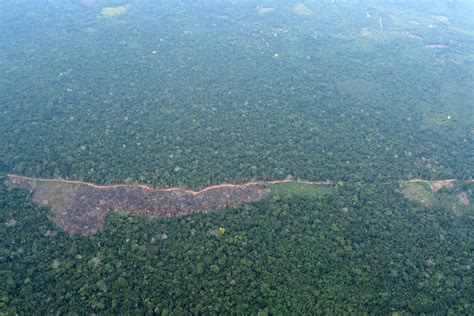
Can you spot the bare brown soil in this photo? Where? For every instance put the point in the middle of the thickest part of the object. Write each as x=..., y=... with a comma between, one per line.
x=81, y=207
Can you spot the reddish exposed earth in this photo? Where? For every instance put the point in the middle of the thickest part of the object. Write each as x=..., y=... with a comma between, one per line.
x=81, y=207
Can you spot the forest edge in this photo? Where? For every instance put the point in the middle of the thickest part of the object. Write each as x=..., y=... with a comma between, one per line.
x=80, y=207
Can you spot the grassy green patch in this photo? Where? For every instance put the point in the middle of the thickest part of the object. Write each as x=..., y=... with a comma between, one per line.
x=456, y=199
x=299, y=189
x=419, y=192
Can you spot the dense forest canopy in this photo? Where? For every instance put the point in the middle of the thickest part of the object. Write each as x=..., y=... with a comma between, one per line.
x=191, y=93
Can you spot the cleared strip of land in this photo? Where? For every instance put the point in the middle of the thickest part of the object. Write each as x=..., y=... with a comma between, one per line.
x=81, y=207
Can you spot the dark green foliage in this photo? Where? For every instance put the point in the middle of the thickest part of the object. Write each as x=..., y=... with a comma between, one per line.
x=357, y=249
x=84, y=97
x=294, y=189
x=191, y=93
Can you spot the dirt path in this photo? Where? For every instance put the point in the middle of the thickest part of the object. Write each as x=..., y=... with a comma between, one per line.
x=435, y=185
x=212, y=187
x=81, y=207
x=174, y=189
x=428, y=181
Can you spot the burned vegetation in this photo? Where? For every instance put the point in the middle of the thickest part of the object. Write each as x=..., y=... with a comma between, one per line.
x=81, y=207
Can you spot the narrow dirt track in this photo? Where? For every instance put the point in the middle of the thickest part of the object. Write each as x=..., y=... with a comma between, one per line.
x=174, y=189
x=81, y=207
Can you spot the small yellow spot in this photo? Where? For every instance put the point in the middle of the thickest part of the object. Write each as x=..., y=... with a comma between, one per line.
x=114, y=11
x=449, y=117
x=221, y=230
x=276, y=55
